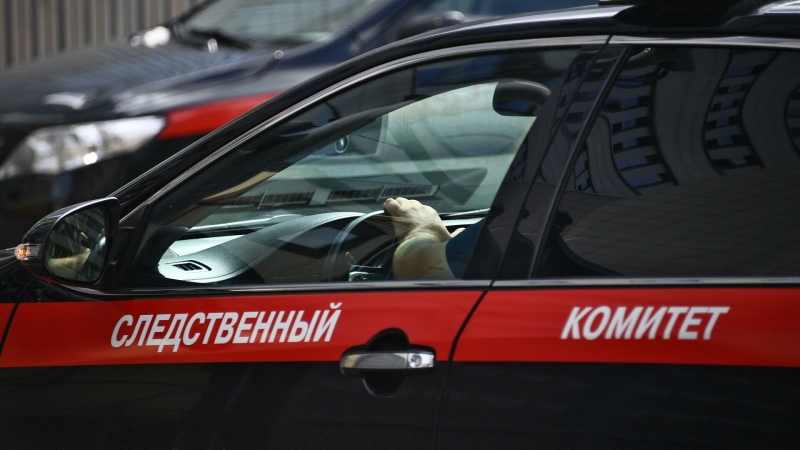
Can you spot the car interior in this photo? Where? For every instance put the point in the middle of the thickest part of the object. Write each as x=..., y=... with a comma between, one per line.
x=303, y=201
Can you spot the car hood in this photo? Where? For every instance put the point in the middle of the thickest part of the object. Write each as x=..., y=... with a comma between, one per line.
x=101, y=80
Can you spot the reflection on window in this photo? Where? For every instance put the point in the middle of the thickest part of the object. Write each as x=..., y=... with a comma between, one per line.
x=709, y=185
x=303, y=201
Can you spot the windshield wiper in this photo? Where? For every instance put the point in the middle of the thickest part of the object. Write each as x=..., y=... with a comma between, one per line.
x=218, y=34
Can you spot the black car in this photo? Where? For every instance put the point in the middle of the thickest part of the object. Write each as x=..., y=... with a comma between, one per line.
x=625, y=178
x=78, y=126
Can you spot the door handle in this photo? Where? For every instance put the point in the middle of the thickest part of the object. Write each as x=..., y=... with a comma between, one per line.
x=364, y=361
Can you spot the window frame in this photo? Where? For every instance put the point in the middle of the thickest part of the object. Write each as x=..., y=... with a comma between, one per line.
x=666, y=281
x=137, y=218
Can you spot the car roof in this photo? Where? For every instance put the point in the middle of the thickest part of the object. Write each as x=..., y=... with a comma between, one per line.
x=635, y=17
x=664, y=18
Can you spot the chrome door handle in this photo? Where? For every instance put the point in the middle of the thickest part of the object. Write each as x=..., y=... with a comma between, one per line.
x=368, y=361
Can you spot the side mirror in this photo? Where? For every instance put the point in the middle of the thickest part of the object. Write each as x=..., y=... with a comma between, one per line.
x=519, y=98
x=429, y=21
x=71, y=245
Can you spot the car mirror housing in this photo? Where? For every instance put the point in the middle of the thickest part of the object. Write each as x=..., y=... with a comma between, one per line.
x=429, y=21
x=72, y=245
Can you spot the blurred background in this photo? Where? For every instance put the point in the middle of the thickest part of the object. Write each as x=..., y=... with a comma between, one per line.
x=36, y=28
x=94, y=93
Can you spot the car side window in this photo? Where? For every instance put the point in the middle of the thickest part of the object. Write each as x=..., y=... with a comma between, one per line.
x=304, y=200
x=692, y=169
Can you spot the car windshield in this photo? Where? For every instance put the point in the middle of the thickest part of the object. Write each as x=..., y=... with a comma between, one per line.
x=278, y=20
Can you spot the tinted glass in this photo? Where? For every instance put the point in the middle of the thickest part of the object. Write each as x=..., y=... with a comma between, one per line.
x=544, y=156
x=691, y=169
x=303, y=201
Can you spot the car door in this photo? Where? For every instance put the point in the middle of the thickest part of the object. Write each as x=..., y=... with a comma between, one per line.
x=658, y=305
x=259, y=307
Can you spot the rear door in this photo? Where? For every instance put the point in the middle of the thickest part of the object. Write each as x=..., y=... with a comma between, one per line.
x=659, y=307
x=265, y=269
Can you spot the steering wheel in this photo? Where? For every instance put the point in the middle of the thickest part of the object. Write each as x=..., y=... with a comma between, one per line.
x=376, y=263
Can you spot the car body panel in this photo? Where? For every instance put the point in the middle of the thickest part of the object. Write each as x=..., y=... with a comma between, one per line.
x=99, y=333
x=6, y=311
x=246, y=405
x=520, y=405
x=716, y=326
x=13, y=282
x=203, y=395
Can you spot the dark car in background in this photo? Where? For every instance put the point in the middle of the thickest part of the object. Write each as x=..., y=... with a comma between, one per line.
x=80, y=125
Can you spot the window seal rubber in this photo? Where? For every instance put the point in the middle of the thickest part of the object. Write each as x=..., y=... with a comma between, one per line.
x=279, y=289
x=634, y=282
x=727, y=41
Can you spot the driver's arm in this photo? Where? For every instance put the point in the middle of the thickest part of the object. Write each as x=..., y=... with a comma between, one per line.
x=421, y=253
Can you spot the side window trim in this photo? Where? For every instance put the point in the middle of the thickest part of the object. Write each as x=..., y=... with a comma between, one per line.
x=545, y=283
x=728, y=41
x=277, y=289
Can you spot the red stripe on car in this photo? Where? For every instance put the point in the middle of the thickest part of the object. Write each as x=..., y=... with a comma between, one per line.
x=5, y=313
x=203, y=119
x=315, y=327
x=745, y=326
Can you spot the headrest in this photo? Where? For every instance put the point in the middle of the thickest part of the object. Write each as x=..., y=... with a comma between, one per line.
x=519, y=98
